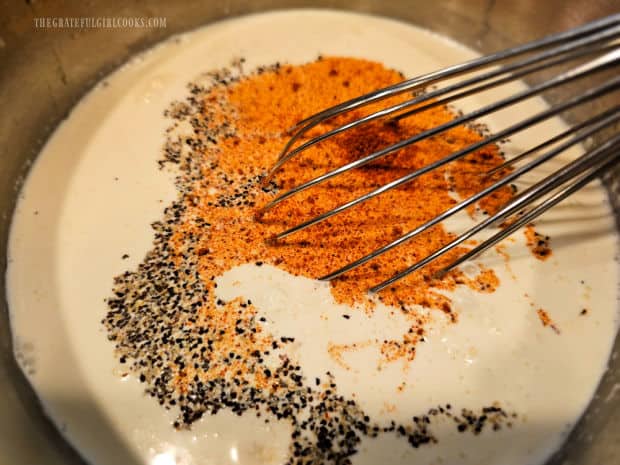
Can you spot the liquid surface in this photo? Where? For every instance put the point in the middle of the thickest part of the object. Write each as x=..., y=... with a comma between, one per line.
x=84, y=217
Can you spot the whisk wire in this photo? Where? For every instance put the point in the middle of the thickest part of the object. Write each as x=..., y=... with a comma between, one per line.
x=454, y=71
x=600, y=39
x=478, y=196
x=531, y=121
x=577, y=127
x=535, y=212
x=543, y=187
x=556, y=56
x=597, y=64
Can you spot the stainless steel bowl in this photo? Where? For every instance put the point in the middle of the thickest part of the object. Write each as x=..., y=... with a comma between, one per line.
x=43, y=73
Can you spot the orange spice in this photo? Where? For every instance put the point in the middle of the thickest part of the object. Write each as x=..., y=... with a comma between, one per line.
x=259, y=109
x=230, y=355
x=537, y=243
x=546, y=320
x=198, y=354
x=502, y=252
x=337, y=351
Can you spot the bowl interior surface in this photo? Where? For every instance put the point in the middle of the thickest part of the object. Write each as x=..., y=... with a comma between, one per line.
x=43, y=73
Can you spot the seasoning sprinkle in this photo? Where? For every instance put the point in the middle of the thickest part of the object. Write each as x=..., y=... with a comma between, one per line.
x=198, y=354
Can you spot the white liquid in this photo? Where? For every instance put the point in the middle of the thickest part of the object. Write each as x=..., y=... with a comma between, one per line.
x=95, y=189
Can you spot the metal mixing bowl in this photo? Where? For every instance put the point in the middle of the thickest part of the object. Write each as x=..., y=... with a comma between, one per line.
x=43, y=73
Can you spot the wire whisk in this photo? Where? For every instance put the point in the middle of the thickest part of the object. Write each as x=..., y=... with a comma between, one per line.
x=595, y=46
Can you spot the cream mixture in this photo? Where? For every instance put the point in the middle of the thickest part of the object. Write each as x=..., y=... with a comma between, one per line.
x=84, y=214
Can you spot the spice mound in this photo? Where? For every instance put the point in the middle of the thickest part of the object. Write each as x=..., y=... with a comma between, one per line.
x=198, y=354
